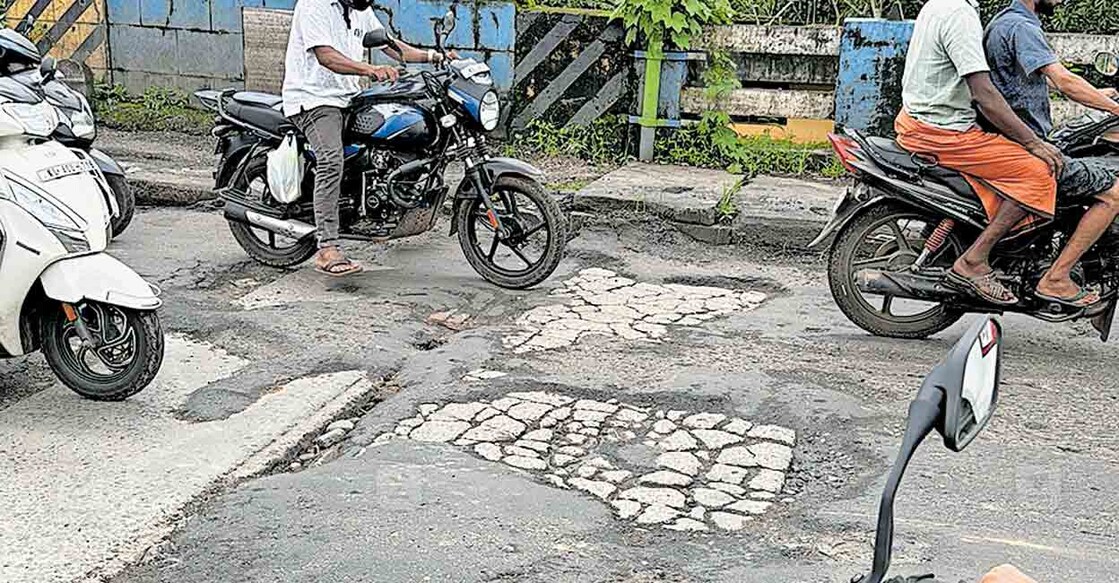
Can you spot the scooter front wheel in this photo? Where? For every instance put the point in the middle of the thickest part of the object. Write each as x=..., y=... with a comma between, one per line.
x=124, y=358
x=126, y=202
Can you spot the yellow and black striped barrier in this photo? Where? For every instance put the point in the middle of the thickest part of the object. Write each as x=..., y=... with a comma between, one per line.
x=75, y=30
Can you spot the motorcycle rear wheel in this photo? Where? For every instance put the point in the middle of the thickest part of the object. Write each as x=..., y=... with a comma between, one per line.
x=265, y=247
x=126, y=363
x=535, y=246
x=885, y=233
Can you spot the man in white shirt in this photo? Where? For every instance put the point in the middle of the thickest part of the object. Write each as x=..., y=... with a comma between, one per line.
x=324, y=64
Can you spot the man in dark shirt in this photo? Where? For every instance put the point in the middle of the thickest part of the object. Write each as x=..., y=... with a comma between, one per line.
x=1022, y=67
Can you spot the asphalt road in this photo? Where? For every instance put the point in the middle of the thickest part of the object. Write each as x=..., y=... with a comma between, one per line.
x=1036, y=489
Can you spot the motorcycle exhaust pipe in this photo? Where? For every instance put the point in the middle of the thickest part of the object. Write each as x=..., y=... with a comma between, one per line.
x=291, y=229
x=904, y=285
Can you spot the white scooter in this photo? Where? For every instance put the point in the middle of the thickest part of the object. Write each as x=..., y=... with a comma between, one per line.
x=92, y=316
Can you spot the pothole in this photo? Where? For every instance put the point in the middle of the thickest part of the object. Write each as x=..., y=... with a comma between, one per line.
x=683, y=470
x=599, y=302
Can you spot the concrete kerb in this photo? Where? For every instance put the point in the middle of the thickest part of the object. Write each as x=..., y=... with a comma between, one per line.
x=768, y=211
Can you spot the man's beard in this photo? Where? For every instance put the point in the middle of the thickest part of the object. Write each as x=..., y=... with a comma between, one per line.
x=358, y=4
x=1046, y=7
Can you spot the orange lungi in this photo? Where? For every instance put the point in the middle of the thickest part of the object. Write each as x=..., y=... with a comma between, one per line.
x=995, y=167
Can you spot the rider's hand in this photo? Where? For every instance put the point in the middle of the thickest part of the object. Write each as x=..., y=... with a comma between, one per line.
x=384, y=73
x=1006, y=574
x=1110, y=92
x=437, y=58
x=1048, y=154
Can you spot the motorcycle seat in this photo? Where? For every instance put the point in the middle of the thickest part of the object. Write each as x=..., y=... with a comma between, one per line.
x=263, y=116
x=257, y=98
x=910, y=163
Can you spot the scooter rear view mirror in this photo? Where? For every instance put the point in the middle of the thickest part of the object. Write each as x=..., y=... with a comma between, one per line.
x=48, y=68
x=1107, y=64
x=957, y=399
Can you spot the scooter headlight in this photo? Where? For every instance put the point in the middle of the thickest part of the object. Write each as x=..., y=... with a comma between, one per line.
x=38, y=206
x=37, y=119
x=489, y=111
x=83, y=126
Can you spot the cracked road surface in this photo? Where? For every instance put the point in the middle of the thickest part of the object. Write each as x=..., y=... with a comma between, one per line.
x=421, y=329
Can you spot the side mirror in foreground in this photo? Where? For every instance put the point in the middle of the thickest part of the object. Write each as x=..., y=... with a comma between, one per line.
x=957, y=399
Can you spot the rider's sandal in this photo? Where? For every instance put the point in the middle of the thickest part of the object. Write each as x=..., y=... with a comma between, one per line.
x=986, y=287
x=1085, y=298
x=331, y=268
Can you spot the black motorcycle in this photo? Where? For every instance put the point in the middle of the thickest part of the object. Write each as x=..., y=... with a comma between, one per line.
x=400, y=138
x=905, y=221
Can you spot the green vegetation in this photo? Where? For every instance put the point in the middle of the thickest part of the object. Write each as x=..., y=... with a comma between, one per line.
x=1088, y=16
x=157, y=109
x=707, y=144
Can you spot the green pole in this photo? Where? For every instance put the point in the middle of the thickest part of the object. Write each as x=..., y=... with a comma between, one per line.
x=653, y=57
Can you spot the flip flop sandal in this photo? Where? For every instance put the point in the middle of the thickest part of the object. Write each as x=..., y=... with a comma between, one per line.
x=1076, y=302
x=331, y=268
x=986, y=287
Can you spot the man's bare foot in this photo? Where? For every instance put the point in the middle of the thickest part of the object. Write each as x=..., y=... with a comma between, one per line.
x=331, y=261
x=970, y=269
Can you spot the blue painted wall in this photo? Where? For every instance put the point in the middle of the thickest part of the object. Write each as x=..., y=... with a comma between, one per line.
x=871, y=64
x=198, y=43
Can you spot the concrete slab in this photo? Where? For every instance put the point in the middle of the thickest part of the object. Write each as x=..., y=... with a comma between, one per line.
x=678, y=193
x=90, y=486
x=306, y=285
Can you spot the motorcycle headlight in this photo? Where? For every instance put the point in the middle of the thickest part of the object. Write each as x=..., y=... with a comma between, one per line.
x=490, y=111
x=44, y=210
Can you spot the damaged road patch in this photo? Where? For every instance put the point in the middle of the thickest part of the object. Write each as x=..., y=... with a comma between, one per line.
x=688, y=471
x=599, y=302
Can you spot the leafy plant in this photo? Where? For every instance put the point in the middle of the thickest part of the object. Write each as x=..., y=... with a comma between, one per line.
x=727, y=207
x=157, y=109
x=661, y=24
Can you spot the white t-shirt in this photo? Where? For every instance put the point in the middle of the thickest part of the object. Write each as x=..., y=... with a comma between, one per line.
x=319, y=23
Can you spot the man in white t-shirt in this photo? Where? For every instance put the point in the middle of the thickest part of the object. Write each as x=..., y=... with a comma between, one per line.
x=323, y=67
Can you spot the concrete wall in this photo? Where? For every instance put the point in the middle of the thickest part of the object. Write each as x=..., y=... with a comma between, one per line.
x=187, y=44
x=484, y=31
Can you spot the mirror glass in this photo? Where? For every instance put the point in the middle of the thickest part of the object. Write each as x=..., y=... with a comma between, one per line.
x=1107, y=64
x=48, y=66
x=981, y=376
x=375, y=39
x=449, y=21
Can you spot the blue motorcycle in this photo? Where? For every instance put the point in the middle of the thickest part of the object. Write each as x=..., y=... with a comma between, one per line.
x=400, y=138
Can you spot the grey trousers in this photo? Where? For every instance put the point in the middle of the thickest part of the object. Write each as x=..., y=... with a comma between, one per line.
x=323, y=128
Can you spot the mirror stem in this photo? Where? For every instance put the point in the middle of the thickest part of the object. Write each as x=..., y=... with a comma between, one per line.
x=923, y=414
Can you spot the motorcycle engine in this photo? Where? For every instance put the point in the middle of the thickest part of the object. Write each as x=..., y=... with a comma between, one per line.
x=388, y=193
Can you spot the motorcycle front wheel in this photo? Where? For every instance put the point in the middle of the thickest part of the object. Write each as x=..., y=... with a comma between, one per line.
x=534, y=240
x=128, y=356
x=888, y=238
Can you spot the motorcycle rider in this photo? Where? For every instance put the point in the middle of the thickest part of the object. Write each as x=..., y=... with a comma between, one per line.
x=322, y=72
x=946, y=71
x=1023, y=66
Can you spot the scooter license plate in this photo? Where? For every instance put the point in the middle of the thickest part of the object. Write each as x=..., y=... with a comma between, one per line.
x=64, y=170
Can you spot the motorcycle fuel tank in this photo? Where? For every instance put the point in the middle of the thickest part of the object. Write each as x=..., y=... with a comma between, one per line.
x=394, y=125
